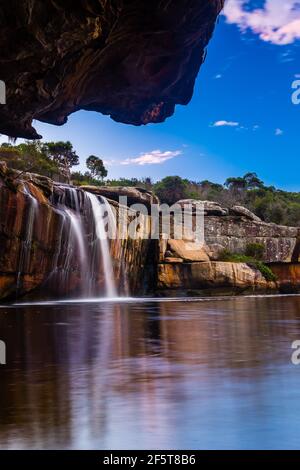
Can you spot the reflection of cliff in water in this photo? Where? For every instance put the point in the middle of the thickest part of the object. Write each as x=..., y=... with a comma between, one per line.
x=95, y=375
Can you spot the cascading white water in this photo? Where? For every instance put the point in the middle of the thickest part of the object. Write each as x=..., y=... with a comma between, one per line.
x=77, y=233
x=75, y=199
x=82, y=250
x=99, y=209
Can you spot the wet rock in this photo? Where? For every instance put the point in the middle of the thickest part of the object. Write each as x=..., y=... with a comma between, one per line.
x=288, y=277
x=210, y=274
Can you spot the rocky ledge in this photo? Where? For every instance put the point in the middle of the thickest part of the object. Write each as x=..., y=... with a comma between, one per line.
x=39, y=255
x=211, y=276
x=184, y=266
x=131, y=59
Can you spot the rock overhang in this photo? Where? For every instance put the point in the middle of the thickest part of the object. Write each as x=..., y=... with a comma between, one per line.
x=129, y=59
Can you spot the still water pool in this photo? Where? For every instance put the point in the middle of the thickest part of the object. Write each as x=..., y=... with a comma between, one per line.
x=151, y=374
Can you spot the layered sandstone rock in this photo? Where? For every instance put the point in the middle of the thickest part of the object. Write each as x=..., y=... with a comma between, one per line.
x=235, y=228
x=208, y=207
x=179, y=277
x=207, y=275
x=234, y=233
x=242, y=211
x=132, y=195
x=188, y=251
x=185, y=265
x=36, y=253
x=131, y=59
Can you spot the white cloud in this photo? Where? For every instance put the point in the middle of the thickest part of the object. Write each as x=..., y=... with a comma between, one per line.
x=277, y=22
x=110, y=162
x=155, y=157
x=225, y=124
x=278, y=131
x=218, y=76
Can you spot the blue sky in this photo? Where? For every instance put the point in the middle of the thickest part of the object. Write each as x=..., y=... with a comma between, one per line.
x=241, y=117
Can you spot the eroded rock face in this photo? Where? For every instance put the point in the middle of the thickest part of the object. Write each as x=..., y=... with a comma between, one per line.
x=288, y=277
x=133, y=60
x=39, y=255
x=219, y=277
x=198, y=276
x=234, y=233
x=235, y=228
x=185, y=266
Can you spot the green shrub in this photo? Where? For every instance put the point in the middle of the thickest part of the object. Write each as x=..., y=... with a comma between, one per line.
x=255, y=250
x=265, y=271
x=228, y=256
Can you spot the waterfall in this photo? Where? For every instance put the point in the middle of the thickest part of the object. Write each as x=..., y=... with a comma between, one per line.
x=99, y=210
x=82, y=260
x=77, y=235
x=84, y=241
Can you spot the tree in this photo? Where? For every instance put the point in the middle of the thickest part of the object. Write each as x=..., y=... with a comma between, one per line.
x=63, y=154
x=252, y=181
x=96, y=167
x=171, y=189
x=147, y=182
x=28, y=157
x=236, y=184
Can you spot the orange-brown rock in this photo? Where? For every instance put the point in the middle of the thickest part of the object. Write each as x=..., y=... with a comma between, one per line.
x=288, y=276
x=188, y=251
x=198, y=276
x=35, y=254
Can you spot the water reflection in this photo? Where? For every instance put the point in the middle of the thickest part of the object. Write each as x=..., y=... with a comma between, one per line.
x=153, y=375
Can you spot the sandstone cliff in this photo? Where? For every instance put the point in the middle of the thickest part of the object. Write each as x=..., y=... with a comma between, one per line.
x=186, y=267
x=39, y=249
x=41, y=254
x=131, y=59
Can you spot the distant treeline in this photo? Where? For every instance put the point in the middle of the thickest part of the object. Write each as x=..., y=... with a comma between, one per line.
x=55, y=160
x=269, y=203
